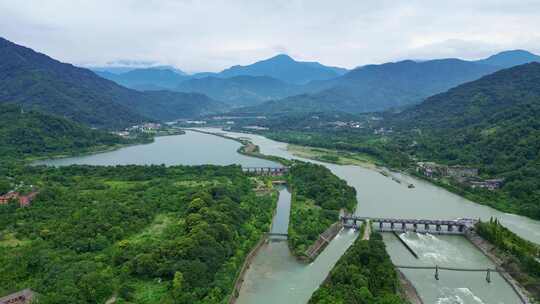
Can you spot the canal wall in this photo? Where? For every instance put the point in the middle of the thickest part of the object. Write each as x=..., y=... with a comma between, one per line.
x=489, y=251
x=247, y=263
x=408, y=291
x=324, y=238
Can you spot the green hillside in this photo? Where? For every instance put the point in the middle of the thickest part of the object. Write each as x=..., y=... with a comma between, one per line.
x=31, y=133
x=379, y=87
x=36, y=81
x=492, y=123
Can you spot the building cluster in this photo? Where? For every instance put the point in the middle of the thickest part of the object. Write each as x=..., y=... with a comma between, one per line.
x=462, y=174
x=145, y=127
x=24, y=200
x=347, y=124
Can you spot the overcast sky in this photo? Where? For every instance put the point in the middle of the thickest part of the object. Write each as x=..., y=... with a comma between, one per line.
x=211, y=35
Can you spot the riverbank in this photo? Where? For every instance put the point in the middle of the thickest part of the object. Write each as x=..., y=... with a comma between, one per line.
x=96, y=150
x=408, y=291
x=333, y=156
x=498, y=199
x=242, y=273
x=324, y=239
x=109, y=148
x=501, y=262
x=247, y=148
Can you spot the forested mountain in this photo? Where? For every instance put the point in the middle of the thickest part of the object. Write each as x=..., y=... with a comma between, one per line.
x=168, y=106
x=286, y=69
x=241, y=90
x=147, y=79
x=509, y=59
x=380, y=87
x=492, y=123
x=30, y=133
x=34, y=80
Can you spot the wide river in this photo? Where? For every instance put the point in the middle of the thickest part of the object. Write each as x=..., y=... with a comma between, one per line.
x=276, y=277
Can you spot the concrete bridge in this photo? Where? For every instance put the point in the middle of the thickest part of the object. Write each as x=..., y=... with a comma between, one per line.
x=274, y=171
x=458, y=226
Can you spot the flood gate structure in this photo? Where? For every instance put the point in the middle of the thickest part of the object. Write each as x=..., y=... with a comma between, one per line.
x=454, y=227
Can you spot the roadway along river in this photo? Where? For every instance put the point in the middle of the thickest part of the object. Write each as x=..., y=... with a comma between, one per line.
x=276, y=277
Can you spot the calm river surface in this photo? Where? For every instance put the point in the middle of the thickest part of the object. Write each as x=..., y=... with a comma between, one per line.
x=191, y=148
x=276, y=277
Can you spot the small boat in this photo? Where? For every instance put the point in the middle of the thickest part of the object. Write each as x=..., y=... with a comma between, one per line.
x=411, y=186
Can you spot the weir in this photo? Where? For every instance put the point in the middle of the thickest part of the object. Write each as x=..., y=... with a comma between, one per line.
x=405, y=244
x=453, y=227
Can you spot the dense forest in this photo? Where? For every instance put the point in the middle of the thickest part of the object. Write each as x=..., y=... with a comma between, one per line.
x=492, y=124
x=142, y=234
x=317, y=197
x=31, y=133
x=521, y=255
x=364, y=274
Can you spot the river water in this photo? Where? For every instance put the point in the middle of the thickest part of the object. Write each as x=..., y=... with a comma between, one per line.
x=276, y=277
x=191, y=148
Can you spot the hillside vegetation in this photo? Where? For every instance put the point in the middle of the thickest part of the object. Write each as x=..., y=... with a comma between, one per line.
x=521, y=256
x=31, y=133
x=492, y=123
x=143, y=234
x=36, y=81
x=379, y=87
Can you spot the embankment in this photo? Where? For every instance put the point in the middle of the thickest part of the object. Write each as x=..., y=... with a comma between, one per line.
x=408, y=291
x=247, y=263
x=489, y=251
x=324, y=239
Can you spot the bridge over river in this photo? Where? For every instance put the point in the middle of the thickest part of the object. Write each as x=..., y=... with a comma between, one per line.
x=453, y=227
x=275, y=171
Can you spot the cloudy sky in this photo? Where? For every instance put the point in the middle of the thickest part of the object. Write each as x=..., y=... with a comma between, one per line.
x=211, y=35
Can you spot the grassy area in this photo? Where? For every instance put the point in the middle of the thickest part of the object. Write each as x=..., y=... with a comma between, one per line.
x=9, y=240
x=333, y=156
x=149, y=291
x=155, y=229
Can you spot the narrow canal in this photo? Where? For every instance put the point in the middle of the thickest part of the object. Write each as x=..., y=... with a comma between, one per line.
x=276, y=277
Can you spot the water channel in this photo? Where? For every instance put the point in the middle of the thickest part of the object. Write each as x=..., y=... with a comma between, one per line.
x=276, y=277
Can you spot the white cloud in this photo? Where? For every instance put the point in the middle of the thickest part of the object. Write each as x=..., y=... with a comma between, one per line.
x=214, y=34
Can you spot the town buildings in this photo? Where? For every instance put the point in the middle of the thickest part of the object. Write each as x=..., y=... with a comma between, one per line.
x=461, y=174
x=24, y=200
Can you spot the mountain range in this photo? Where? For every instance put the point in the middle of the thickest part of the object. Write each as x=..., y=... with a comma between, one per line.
x=286, y=69
x=273, y=78
x=276, y=85
x=36, y=81
x=508, y=59
x=391, y=85
x=241, y=90
x=280, y=84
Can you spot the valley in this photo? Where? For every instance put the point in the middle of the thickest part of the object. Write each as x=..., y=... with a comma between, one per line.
x=148, y=184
